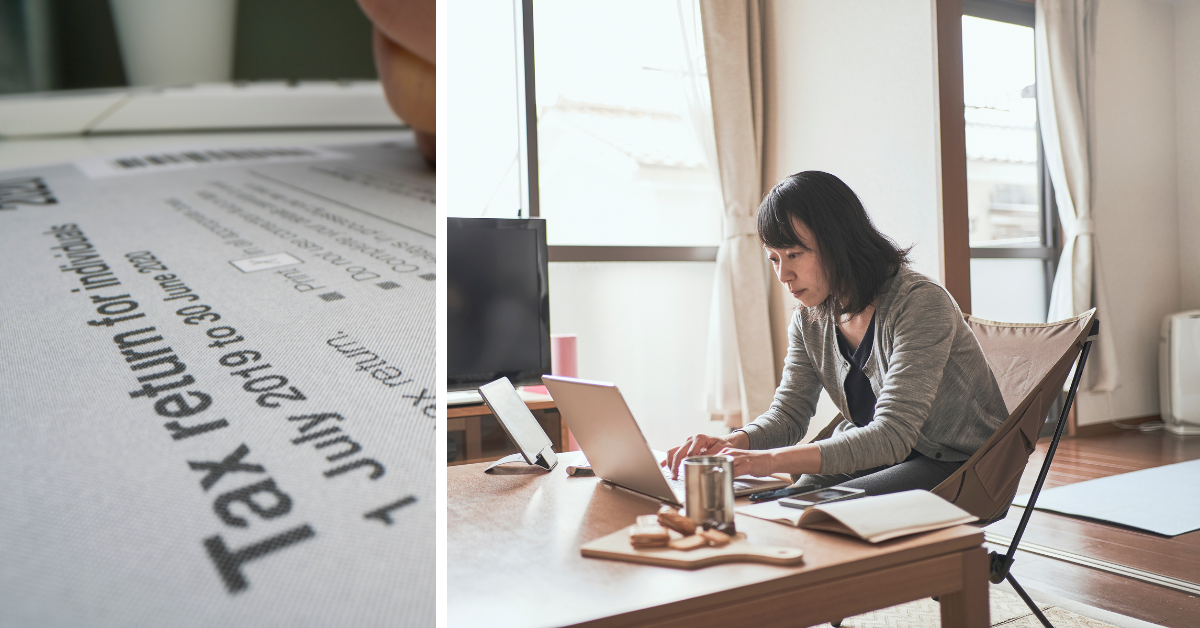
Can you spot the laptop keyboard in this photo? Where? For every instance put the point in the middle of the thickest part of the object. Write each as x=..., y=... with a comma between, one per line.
x=676, y=485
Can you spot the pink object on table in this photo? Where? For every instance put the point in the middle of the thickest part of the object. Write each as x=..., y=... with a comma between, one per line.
x=562, y=355
x=562, y=362
x=562, y=359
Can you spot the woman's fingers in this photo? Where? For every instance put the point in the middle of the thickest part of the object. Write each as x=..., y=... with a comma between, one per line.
x=679, y=453
x=410, y=23
x=740, y=464
x=409, y=83
x=670, y=456
x=746, y=462
x=739, y=458
x=427, y=144
x=404, y=41
x=699, y=445
x=676, y=456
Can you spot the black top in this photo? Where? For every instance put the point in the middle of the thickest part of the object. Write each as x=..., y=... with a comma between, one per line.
x=859, y=396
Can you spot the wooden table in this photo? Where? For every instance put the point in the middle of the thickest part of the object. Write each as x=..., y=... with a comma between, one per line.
x=513, y=560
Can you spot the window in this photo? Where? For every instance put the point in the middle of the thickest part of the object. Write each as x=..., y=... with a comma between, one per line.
x=626, y=160
x=481, y=143
x=1013, y=227
x=624, y=124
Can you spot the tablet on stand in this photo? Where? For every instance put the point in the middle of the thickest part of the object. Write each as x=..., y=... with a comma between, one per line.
x=518, y=422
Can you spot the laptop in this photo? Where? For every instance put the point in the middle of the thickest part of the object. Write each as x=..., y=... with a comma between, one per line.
x=610, y=437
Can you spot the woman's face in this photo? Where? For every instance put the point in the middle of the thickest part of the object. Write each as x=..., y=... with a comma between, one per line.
x=800, y=269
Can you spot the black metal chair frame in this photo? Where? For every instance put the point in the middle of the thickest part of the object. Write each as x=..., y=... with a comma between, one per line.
x=1002, y=563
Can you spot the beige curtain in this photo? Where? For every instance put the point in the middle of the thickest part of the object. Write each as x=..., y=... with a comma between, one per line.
x=1065, y=42
x=741, y=373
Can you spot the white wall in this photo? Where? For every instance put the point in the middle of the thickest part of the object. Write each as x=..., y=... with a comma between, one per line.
x=1012, y=290
x=852, y=90
x=1135, y=206
x=1187, y=148
x=644, y=326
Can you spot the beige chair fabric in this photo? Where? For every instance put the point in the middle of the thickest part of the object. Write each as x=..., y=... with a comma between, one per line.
x=1031, y=362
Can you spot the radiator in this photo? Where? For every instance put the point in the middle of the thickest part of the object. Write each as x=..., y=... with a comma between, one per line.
x=1179, y=372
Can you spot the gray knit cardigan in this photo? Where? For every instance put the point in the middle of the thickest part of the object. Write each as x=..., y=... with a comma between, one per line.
x=934, y=390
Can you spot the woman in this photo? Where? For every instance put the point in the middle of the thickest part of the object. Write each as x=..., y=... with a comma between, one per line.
x=888, y=344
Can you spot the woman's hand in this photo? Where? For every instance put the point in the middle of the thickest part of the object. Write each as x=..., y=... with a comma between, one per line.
x=759, y=463
x=703, y=444
x=404, y=46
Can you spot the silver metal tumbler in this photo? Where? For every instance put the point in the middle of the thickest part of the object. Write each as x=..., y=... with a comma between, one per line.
x=708, y=489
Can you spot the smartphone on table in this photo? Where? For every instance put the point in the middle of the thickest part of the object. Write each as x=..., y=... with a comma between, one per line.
x=820, y=496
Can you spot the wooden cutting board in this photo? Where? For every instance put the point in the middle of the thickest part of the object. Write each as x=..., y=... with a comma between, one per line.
x=616, y=546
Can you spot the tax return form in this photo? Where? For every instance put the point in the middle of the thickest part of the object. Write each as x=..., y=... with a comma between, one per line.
x=218, y=404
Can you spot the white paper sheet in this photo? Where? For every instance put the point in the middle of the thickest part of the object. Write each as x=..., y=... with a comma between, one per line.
x=217, y=405
x=772, y=511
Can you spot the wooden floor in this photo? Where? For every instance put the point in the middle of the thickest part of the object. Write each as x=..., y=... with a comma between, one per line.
x=1090, y=457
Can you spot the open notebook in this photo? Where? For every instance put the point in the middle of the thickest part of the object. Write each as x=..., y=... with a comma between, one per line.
x=873, y=519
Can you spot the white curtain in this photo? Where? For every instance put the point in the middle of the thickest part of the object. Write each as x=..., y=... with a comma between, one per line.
x=1065, y=43
x=741, y=372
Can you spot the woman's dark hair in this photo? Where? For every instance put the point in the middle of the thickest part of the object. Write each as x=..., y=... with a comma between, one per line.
x=857, y=258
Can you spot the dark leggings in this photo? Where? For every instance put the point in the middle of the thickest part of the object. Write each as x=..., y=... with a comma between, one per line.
x=915, y=472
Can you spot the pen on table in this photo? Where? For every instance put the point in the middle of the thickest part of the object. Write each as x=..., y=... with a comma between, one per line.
x=767, y=496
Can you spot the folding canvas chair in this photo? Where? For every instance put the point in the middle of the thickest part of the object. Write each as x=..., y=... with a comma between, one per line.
x=1031, y=362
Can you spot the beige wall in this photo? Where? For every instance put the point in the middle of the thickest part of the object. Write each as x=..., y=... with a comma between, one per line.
x=852, y=90
x=644, y=326
x=1136, y=206
x=1187, y=148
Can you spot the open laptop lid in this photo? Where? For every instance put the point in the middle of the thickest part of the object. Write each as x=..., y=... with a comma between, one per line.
x=608, y=434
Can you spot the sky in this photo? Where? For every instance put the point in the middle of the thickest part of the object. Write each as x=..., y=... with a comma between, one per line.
x=997, y=64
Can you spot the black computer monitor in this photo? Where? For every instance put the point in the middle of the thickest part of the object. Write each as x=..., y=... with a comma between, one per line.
x=497, y=301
